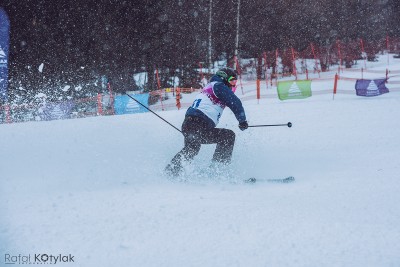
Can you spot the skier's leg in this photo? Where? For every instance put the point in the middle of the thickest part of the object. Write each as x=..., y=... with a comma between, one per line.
x=186, y=154
x=225, y=144
x=189, y=151
x=225, y=140
x=192, y=128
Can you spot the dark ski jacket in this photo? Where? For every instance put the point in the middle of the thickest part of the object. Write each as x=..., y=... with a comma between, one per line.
x=227, y=97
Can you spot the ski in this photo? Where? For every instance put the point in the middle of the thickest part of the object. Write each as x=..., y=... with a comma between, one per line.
x=253, y=180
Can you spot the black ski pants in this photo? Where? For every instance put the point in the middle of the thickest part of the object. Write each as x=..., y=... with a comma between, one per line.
x=197, y=132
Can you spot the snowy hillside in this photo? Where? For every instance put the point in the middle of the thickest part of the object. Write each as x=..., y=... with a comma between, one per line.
x=93, y=188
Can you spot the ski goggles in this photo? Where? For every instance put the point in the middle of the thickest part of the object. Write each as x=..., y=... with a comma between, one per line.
x=232, y=80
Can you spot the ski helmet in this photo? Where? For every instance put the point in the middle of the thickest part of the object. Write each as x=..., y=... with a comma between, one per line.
x=227, y=75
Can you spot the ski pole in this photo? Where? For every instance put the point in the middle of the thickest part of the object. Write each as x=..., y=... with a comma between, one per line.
x=153, y=112
x=289, y=124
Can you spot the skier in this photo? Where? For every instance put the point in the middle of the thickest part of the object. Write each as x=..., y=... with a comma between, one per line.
x=202, y=118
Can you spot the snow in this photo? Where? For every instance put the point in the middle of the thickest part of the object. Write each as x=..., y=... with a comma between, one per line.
x=66, y=88
x=41, y=66
x=94, y=188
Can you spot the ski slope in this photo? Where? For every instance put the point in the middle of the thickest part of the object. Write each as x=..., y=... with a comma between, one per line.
x=93, y=188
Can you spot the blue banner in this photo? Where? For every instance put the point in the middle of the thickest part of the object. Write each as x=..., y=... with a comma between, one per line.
x=4, y=48
x=123, y=104
x=371, y=87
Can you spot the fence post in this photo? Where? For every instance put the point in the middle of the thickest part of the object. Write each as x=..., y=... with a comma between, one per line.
x=99, y=105
x=178, y=98
x=335, y=86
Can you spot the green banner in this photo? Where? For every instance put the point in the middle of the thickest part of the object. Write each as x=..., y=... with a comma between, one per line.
x=294, y=89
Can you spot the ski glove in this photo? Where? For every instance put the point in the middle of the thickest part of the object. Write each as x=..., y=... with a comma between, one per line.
x=243, y=125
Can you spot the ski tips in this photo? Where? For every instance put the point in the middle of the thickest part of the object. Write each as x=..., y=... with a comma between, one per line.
x=251, y=180
x=286, y=180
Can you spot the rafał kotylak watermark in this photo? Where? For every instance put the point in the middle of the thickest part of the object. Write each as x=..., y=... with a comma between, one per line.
x=38, y=258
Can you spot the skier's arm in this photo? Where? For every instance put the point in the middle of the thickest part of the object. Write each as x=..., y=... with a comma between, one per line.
x=225, y=94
